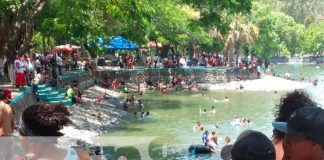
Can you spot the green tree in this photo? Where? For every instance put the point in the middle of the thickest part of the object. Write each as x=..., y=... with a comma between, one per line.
x=18, y=20
x=267, y=43
x=241, y=32
x=212, y=12
x=290, y=33
x=314, y=41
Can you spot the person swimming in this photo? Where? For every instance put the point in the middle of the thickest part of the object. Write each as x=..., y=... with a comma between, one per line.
x=246, y=122
x=224, y=100
x=140, y=105
x=217, y=126
x=202, y=111
x=199, y=126
x=144, y=115
x=227, y=140
x=213, y=110
x=236, y=122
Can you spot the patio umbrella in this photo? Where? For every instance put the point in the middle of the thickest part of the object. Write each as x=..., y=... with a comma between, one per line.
x=66, y=47
x=120, y=43
x=153, y=44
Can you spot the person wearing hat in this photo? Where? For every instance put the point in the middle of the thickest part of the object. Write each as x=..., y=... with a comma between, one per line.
x=252, y=145
x=288, y=105
x=304, y=134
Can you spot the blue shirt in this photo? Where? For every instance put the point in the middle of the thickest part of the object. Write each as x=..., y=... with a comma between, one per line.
x=205, y=138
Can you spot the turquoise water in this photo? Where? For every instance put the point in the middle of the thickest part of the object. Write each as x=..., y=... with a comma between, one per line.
x=172, y=117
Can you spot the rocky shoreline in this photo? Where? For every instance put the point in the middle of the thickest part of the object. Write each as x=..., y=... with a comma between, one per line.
x=91, y=118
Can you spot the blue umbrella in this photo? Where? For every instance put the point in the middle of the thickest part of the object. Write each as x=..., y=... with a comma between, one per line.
x=119, y=43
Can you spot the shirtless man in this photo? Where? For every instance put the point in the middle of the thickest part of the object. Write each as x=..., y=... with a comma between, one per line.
x=6, y=117
x=213, y=139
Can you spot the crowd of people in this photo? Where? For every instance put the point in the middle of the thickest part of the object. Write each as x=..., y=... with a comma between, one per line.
x=181, y=60
x=39, y=128
x=298, y=125
x=298, y=120
x=297, y=134
x=38, y=66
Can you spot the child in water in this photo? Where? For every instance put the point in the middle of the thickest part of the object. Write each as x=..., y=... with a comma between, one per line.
x=202, y=112
x=144, y=115
x=224, y=100
x=213, y=111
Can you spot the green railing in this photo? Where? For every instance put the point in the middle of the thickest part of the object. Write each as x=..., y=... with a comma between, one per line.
x=29, y=89
x=20, y=95
x=72, y=75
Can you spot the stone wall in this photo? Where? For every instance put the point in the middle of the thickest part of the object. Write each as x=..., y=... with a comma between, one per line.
x=199, y=75
x=85, y=80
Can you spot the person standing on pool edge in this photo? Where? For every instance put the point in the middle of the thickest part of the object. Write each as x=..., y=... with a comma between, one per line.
x=114, y=84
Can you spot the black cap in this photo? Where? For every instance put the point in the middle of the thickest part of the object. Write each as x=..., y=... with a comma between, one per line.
x=306, y=122
x=253, y=145
x=226, y=152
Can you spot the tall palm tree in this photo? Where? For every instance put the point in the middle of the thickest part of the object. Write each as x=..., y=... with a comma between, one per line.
x=241, y=32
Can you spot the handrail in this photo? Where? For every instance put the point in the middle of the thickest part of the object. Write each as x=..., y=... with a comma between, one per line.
x=19, y=96
x=28, y=90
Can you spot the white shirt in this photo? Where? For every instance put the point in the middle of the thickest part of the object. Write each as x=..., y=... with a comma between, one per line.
x=31, y=66
x=20, y=67
x=25, y=63
x=59, y=61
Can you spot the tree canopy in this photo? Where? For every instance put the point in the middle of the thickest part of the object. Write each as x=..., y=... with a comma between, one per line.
x=261, y=27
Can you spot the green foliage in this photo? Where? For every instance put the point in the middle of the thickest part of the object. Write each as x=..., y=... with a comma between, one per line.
x=314, y=41
x=266, y=45
x=186, y=24
x=289, y=32
x=303, y=9
x=213, y=12
x=279, y=33
x=38, y=41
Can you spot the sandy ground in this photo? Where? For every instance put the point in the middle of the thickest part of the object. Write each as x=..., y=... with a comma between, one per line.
x=267, y=83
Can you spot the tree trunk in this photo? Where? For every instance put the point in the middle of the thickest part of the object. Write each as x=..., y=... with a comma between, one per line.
x=17, y=27
x=12, y=75
x=156, y=48
x=49, y=43
x=44, y=44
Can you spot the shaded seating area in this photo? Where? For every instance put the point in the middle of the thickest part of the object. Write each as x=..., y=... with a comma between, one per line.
x=118, y=43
